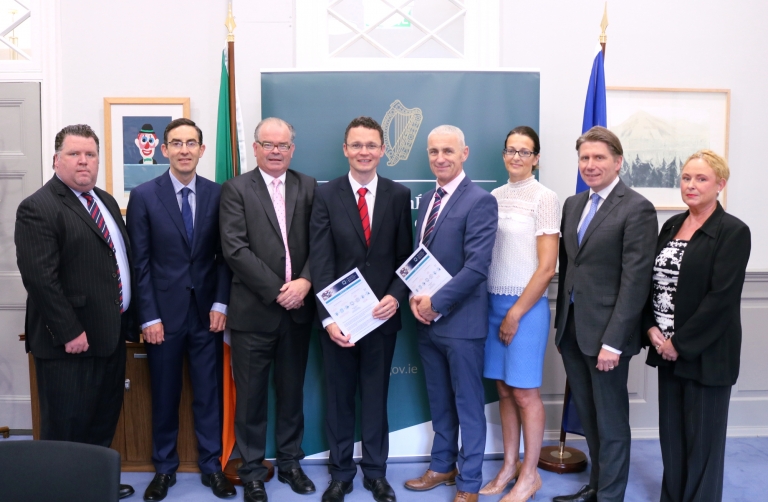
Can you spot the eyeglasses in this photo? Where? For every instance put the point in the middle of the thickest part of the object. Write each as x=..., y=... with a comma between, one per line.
x=269, y=146
x=178, y=144
x=524, y=154
x=356, y=147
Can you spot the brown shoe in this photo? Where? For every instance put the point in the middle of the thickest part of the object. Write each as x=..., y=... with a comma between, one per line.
x=431, y=479
x=465, y=497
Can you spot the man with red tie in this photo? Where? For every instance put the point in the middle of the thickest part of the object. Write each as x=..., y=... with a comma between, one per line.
x=360, y=220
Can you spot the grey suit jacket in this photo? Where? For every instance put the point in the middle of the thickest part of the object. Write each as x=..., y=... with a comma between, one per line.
x=253, y=248
x=68, y=270
x=610, y=274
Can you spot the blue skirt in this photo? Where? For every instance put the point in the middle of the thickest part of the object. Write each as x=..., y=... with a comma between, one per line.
x=521, y=363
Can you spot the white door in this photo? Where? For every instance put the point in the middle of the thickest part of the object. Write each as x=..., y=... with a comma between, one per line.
x=20, y=176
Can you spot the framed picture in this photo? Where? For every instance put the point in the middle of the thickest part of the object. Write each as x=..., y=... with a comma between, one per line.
x=659, y=129
x=133, y=130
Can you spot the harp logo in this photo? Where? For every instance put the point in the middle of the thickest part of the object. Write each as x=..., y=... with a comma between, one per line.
x=400, y=126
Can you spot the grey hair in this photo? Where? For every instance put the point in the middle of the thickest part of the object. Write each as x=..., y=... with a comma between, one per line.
x=448, y=129
x=273, y=120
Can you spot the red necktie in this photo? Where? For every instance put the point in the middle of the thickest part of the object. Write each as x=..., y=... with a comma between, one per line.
x=362, y=208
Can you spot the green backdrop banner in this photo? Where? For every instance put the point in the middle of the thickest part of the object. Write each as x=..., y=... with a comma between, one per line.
x=484, y=104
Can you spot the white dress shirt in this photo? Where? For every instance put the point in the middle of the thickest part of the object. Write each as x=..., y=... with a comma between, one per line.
x=449, y=188
x=268, y=180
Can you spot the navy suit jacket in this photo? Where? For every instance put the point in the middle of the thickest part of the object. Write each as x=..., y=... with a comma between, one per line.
x=462, y=242
x=166, y=266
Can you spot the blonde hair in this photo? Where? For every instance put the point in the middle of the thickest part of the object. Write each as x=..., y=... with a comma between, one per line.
x=718, y=164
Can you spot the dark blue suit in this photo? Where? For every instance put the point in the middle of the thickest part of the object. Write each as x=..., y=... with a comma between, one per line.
x=178, y=281
x=452, y=347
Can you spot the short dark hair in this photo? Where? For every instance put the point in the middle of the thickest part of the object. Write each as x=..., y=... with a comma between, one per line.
x=178, y=123
x=366, y=122
x=528, y=132
x=82, y=130
x=603, y=135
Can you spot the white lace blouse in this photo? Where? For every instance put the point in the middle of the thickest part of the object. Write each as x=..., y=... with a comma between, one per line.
x=527, y=209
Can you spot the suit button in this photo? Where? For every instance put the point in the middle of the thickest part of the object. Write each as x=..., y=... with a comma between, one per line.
x=577, y=264
x=114, y=275
x=367, y=264
x=110, y=253
x=117, y=302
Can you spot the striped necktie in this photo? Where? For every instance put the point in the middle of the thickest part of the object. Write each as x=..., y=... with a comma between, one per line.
x=439, y=194
x=362, y=208
x=95, y=212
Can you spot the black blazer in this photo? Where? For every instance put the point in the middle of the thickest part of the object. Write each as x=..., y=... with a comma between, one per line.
x=337, y=242
x=68, y=270
x=253, y=248
x=708, y=299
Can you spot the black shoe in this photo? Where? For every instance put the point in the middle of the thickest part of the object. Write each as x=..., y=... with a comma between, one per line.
x=158, y=488
x=297, y=480
x=219, y=483
x=586, y=494
x=254, y=491
x=336, y=491
x=124, y=491
x=381, y=489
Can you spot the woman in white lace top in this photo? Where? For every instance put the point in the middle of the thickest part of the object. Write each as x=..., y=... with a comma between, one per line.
x=524, y=258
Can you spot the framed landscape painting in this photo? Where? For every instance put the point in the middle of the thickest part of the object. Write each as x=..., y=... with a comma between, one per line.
x=659, y=129
x=133, y=130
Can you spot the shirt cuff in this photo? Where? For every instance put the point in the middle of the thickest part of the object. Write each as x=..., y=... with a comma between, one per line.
x=219, y=307
x=150, y=323
x=611, y=349
x=327, y=321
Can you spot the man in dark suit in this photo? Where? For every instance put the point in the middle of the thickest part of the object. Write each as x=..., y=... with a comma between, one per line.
x=74, y=257
x=265, y=237
x=182, y=292
x=606, y=260
x=360, y=220
x=458, y=226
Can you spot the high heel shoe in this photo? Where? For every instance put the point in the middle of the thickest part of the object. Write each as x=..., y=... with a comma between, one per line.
x=490, y=490
x=512, y=496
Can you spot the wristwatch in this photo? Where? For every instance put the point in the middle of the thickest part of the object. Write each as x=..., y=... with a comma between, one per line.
x=434, y=309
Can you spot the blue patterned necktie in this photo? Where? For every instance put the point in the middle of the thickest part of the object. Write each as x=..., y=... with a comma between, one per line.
x=186, y=214
x=439, y=193
x=590, y=215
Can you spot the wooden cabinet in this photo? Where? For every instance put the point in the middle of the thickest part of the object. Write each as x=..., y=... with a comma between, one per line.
x=133, y=437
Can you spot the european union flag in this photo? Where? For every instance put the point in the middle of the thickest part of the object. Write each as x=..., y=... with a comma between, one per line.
x=594, y=107
x=595, y=113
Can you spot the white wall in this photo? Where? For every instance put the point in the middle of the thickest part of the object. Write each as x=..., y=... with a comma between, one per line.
x=654, y=43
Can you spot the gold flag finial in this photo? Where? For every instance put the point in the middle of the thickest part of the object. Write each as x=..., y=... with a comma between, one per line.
x=604, y=25
x=230, y=24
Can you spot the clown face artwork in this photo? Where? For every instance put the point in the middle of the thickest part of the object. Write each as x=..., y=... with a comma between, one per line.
x=146, y=142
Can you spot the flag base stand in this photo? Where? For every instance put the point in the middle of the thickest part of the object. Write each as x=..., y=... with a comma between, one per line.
x=230, y=471
x=5, y=431
x=562, y=459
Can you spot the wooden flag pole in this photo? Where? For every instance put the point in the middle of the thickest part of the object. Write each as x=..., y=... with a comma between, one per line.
x=563, y=459
x=230, y=24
